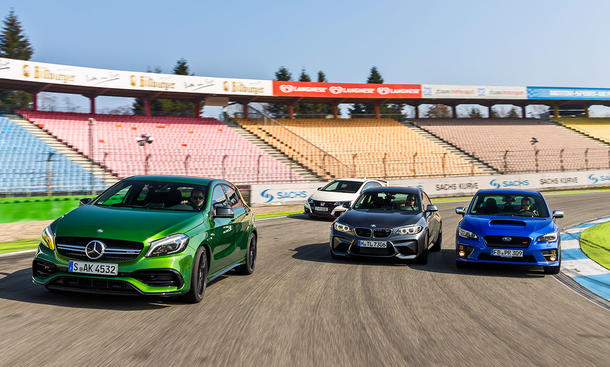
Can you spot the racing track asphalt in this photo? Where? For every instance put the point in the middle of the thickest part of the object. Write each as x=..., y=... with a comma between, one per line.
x=302, y=308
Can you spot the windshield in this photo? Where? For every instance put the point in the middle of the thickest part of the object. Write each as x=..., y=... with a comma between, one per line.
x=154, y=195
x=509, y=205
x=349, y=187
x=389, y=201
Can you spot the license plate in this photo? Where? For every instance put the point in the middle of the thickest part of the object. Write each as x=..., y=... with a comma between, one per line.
x=321, y=209
x=93, y=268
x=374, y=244
x=507, y=253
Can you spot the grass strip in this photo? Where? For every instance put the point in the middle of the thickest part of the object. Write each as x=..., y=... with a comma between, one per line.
x=278, y=214
x=21, y=245
x=595, y=243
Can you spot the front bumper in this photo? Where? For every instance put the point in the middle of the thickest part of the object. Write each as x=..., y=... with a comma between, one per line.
x=160, y=276
x=403, y=247
x=533, y=255
x=328, y=211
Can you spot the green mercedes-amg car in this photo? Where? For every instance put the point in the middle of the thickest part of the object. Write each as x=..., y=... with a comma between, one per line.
x=149, y=235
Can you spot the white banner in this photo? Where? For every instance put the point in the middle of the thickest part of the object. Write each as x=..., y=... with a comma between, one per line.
x=118, y=79
x=472, y=91
x=278, y=194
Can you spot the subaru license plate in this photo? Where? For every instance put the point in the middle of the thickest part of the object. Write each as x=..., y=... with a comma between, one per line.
x=507, y=253
x=93, y=268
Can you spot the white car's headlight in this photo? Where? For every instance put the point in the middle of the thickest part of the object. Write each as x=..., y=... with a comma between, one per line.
x=412, y=229
x=467, y=234
x=342, y=227
x=549, y=237
x=48, y=238
x=168, y=245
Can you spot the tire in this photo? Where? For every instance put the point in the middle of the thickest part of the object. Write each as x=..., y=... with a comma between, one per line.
x=552, y=269
x=199, y=276
x=422, y=259
x=437, y=245
x=248, y=267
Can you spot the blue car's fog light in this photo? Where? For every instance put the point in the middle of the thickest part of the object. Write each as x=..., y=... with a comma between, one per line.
x=464, y=251
x=550, y=255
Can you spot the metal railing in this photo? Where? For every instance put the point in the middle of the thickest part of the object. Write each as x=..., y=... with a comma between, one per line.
x=294, y=146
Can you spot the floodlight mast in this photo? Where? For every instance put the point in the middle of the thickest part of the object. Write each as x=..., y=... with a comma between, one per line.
x=143, y=141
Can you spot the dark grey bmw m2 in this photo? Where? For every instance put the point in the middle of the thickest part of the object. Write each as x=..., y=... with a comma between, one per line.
x=388, y=222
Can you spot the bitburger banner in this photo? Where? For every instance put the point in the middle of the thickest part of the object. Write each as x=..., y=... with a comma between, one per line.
x=345, y=90
x=46, y=73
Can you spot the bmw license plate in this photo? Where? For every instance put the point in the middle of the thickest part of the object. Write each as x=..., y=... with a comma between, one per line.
x=507, y=253
x=321, y=209
x=93, y=268
x=373, y=244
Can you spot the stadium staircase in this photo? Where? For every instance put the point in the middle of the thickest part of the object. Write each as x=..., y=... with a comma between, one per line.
x=302, y=170
x=62, y=148
x=484, y=167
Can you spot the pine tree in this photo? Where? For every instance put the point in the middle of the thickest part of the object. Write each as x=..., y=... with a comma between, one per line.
x=279, y=110
x=513, y=113
x=14, y=44
x=438, y=111
x=305, y=109
x=389, y=110
x=475, y=113
x=323, y=108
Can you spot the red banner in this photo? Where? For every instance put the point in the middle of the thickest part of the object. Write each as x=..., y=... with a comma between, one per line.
x=345, y=90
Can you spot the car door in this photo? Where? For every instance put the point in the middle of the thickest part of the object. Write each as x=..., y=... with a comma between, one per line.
x=239, y=224
x=221, y=233
x=433, y=219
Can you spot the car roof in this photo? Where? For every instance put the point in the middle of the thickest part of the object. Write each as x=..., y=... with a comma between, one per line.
x=354, y=179
x=395, y=189
x=178, y=179
x=508, y=191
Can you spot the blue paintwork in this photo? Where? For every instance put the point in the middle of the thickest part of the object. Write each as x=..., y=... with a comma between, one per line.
x=534, y=228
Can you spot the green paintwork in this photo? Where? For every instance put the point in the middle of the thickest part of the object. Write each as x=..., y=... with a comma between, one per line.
x=226, y=239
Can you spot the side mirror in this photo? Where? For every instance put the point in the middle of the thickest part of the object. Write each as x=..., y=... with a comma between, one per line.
x=431, y=208
x=223, y=212
x=557, y=213
x=84, y=201
x=460, y=210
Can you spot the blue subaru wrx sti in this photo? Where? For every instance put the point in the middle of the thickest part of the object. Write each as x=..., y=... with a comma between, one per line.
x=509, y=227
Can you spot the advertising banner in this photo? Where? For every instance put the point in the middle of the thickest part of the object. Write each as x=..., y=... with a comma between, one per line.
x=568, y=93
x=345, y=90
x=445, y=186
x=447, y=91
x=118, y=79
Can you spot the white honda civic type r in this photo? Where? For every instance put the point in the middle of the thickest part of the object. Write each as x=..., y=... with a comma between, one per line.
x=337, y=196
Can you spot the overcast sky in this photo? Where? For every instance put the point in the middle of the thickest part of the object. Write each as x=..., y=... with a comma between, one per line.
x=557, y=43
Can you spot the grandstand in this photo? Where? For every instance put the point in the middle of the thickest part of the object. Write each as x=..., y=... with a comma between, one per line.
x=181, y=146
x=381, y=148
x=507, y=144
x=598, y=128
x=30, y=166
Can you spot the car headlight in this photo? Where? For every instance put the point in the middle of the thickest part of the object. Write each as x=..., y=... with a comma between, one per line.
x=168, y=245
x=549, y=237
x=345, y=204
x=48, y=238
x=412, y=229
x=467, y=234
x=342, y=227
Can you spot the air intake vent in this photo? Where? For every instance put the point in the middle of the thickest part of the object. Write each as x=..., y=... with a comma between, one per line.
x=507, y=222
